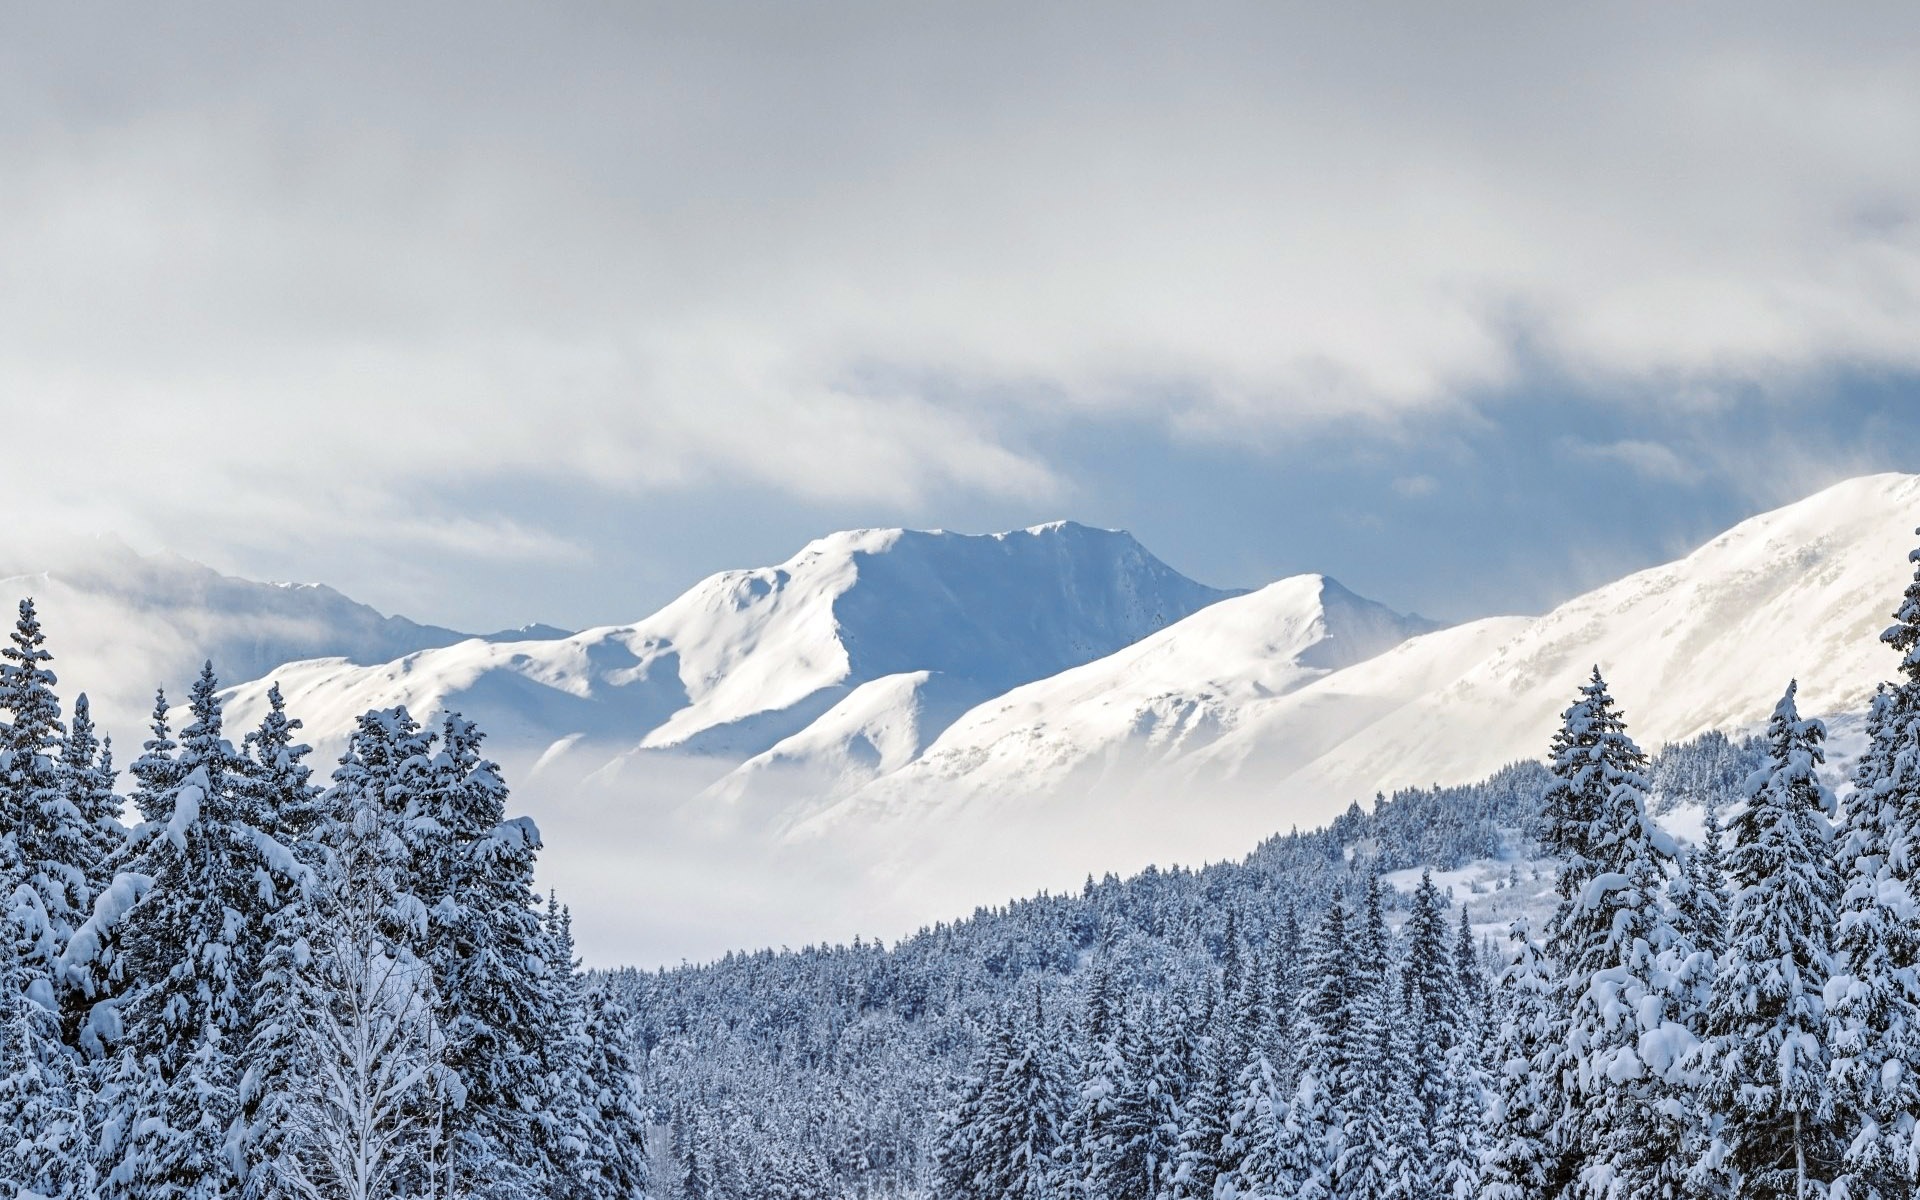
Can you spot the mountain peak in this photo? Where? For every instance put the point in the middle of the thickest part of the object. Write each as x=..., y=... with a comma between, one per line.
x=749, y=657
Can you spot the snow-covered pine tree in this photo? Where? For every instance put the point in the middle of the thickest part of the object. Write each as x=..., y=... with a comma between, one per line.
x=1764, y=1054
x=1521, y=1157
x=43, y=1138
x=86, y=762
x=619, y=1162
x=190, y=953
x=1093, y=1070
x=1432, y=1017
x=1471, y=979
x=1460, y=1142
x=276, y=791
x=277, y=1060
x=55, y=846
x=280, y=802
x=1022, y=1126
x=179, y=1145
x=1261, y=1159
x=1232, y=950
x=472, y=873
x=1204, y=1117
x=182, y=947
x=1460, y=1137
x=1621, y=1116
x=569, y=1124
x=961, y=1160
x=1284, y=967
x=1707, y=879
x=1249, y=1010
x=1378, y=1108
x=1138, y=1142
x=1311, y=1125
x=155, y=772
x=1873, y=998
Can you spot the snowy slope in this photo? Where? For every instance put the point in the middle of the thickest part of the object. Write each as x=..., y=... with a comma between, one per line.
x=1706, y=642
x=1101, y=769
x=879, y=727
x=120, y=623
x=748, y=658
x=1102, y=724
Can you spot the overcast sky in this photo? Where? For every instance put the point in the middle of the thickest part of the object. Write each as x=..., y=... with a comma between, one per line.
x=492, y=314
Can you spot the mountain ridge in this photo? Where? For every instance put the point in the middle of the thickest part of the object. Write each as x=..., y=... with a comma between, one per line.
x=746, y=658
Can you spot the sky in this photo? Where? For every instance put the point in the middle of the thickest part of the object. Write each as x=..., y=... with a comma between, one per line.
x=492, y=314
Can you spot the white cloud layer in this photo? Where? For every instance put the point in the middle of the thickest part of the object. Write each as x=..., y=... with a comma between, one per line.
x=330, y=268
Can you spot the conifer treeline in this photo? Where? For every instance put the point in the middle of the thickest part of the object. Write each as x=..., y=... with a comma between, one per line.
x=269, y=988
x=824, y=1072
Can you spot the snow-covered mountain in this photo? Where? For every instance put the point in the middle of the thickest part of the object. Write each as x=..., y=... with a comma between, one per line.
x=1155, y=701
x=1085, y=771
x=1706, y=642
x=121, y=623
x=920, y=721
x=877, y=629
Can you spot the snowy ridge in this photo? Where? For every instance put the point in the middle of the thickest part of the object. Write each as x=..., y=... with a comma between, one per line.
x=122, y=622
x=1705, y=642
x=748, y=658
x=1153, y=702
x=1089, y=771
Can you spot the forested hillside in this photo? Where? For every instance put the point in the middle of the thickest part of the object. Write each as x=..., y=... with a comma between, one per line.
x=271, y=988
x=835, y=1071
x=1734, y=1018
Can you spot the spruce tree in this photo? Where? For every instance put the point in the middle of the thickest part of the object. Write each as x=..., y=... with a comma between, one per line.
x=1764, y=1054
x=619, y=1162
x=86, y=761
x=1522, y=1158
x=86, y=765
x=1707, y=885
x=1469, y=976
x=43, y=1135
x=1373, y=1162
x=196, y=954
x=1204, y=1117
x=1619, y=1108
x=1873, y=1003
x=963, y=1157
x=569, y=1127
x=1265, y=1158
x=277, y=794
x=1138, y=1135
x=55, y=847
x=1432, y=1016
x=481, y=935
x=1329, y=1040
x=190, y=954
x=155, y=772
x=187, y=949
x=180, y=1141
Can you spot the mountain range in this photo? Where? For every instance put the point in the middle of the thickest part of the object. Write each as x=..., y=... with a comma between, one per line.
x=950, y=717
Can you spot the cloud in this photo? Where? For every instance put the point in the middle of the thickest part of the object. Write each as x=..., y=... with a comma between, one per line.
x=656, y=249
x=1650, y=460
